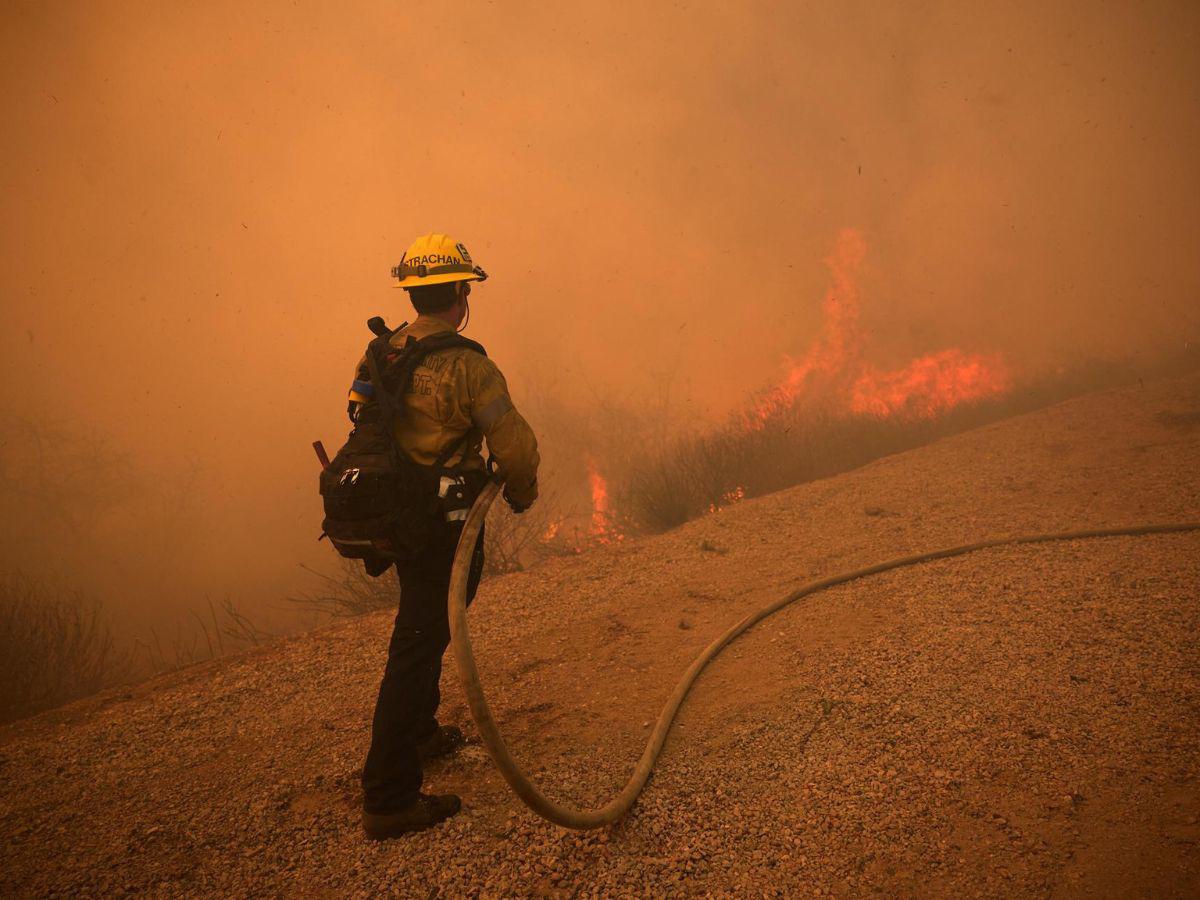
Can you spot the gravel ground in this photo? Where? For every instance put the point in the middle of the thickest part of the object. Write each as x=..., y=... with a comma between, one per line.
x=1017, y=722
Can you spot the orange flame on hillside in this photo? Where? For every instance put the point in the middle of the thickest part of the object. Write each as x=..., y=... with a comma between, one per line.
x=728, y=498
x=925, y=388
x=930, y=385
x=602, y=529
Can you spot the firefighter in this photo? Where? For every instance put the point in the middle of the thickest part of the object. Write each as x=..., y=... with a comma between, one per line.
x=459, y=396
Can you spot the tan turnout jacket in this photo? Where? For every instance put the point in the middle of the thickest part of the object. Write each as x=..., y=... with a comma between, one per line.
x=457, y=391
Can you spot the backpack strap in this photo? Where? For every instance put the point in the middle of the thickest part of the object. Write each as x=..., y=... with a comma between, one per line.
x=445, y=341
x=381, y=394
x=412, y=352
x=453, y=447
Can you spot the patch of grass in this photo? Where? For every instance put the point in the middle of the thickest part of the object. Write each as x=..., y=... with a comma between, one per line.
x=54, y=647
x=222, y=630
x=351, y=592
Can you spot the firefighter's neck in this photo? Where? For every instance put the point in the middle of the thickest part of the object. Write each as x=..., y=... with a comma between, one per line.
x=454, y=315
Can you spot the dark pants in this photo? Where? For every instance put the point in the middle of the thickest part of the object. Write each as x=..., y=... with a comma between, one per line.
x=406, y=710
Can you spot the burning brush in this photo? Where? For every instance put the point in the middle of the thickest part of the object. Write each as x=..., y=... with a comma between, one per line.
x=834, y=365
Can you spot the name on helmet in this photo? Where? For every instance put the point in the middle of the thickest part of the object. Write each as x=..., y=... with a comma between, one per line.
x=433, y=259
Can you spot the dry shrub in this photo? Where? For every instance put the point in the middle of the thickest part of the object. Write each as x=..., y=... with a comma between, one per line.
x=705, y=471
x=513, y=543
x=54, y=647
x=222, y=630
x=351, y=592
x=812, y=440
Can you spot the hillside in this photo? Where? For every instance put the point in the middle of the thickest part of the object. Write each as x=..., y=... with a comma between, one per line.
x=1016, y=721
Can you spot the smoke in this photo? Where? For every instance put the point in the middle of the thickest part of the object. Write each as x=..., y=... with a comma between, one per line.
x=203, y=201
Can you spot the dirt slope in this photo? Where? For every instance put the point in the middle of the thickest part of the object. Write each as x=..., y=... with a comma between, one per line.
x=1015, y=722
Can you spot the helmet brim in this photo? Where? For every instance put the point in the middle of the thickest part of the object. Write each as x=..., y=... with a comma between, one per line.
x=413, y=281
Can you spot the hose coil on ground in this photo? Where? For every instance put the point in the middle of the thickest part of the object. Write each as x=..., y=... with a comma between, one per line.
x=572, y=817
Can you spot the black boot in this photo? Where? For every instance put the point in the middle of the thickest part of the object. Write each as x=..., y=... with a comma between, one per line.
x=443, y=742
x=424, y=812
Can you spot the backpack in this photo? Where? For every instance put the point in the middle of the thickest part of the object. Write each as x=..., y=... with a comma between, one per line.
x=380, y=505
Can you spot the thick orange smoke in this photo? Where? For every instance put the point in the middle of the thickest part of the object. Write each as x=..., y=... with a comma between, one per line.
x=835, y=366
x=981, y=148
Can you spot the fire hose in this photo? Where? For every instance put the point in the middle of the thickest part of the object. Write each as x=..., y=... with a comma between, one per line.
x=572, y=817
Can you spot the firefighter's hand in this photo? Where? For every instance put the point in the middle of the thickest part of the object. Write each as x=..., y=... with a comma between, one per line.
x=516, y=507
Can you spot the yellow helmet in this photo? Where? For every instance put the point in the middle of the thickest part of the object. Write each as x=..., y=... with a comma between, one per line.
x=436, y=259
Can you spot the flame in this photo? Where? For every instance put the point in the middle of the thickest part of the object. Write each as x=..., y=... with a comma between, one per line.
x=839, y=340
x=551, y=531
x=835, y=368
x=602, y=528
x=728, y=499
x=931, y=385
x=925, y=388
